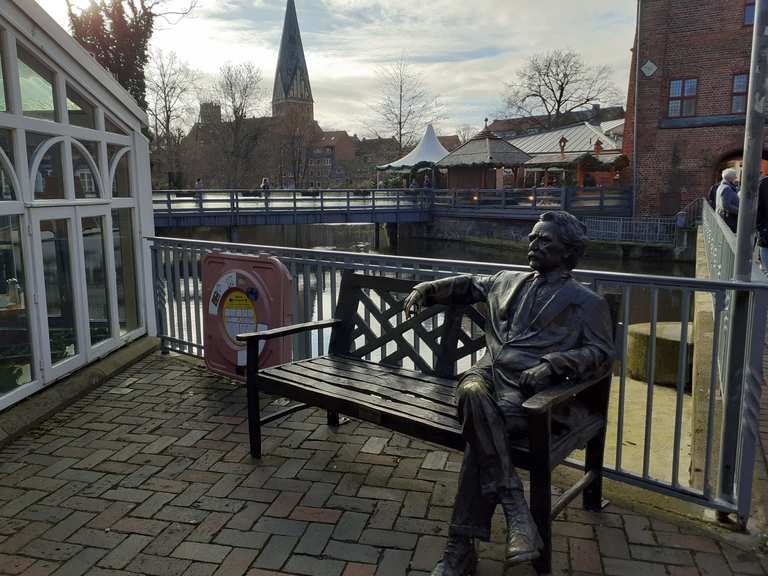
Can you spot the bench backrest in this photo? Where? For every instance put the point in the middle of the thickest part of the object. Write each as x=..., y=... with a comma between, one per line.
x=374, y=324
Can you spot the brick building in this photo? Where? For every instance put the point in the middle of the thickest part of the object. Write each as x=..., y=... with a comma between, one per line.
x=689, y=78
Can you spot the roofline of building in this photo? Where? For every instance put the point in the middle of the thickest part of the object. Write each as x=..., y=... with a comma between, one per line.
x=47, y=25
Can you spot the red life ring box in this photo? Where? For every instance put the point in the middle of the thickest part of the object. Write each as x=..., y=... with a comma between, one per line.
x=242, y=294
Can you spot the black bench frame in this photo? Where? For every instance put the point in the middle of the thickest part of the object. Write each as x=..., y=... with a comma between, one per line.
x=444, y=330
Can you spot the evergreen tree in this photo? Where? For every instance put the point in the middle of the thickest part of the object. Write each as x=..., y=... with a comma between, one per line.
x=117, y=34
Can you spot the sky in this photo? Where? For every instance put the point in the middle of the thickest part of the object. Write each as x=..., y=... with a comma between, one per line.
x=464, y=50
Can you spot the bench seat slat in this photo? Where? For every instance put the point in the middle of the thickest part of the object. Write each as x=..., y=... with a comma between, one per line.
x=395, y=382
x=404, y=372
x=288, y=375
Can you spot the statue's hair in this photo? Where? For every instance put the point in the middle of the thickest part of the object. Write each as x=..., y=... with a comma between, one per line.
x=572, y=233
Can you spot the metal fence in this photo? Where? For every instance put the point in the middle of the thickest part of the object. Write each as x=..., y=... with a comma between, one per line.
x=662, y=231
x=650, y=426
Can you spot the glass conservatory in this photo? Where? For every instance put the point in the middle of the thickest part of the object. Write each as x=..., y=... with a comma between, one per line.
x=75, y=201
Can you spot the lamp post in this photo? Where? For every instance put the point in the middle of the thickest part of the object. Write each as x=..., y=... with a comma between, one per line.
x=736, y=368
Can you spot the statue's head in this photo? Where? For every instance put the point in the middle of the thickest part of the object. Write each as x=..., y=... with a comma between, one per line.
x=558, y=240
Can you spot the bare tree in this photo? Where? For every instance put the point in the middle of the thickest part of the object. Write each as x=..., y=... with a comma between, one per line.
x=466, y=132
x=238, y=91
x=405, y=106
x=553, y=84
x=295, y=135
x=170, y=87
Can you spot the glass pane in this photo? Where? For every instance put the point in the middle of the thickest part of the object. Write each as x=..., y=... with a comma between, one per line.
x=48, y=182
x=121, y=185
x=111, y=126
x=86, y=181
x=3, y=105
x=79, y=110
x=674, y=108
x=749, y=14
x=689, y=107
x=675, y=88
x=15, y=340
x=740, y=82
x=57, y=271
x=125, y=270
x=95, y=279
x=6, y=188
x=739, y=104
x=36, y=81
x=690, y=87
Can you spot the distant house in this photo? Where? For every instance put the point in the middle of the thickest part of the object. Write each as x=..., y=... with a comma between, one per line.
x=509, y=128
x=581, y=154
x=450, y=142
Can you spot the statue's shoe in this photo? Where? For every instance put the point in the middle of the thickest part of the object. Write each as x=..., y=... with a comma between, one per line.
x=459, y=559
x=523, y=540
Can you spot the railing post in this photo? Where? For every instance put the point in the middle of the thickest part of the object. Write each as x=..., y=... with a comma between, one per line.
x=564, y=199
x=168, y=203
x=348, y=199
x=322, y=201
x=453, y=198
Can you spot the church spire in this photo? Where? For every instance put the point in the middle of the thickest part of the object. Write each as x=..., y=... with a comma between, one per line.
x=292, y=89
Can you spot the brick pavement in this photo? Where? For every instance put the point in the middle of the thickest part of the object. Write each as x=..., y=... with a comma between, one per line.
x=150, y=474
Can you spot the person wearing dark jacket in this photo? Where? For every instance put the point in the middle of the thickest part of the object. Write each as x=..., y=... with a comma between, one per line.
x=728, y=198
x=761, y=224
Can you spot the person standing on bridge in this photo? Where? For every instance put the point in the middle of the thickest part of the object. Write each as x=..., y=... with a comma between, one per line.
x=728, y=198
x=265, y=190
x=761, y=224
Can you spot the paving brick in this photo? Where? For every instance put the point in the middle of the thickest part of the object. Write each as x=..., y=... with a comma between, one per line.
x=201, y=552
x=183, y=515
x=315, y=514
x=314, y=566
x=660, y=554
x=125, y=552
x=240, y=539
x=40, y=513
x=152, y=505
x=49, y=550
x=314, y=540
x=280, y=526
x=613, y=542
x=276, y=552
x=209, y=527
x=138, y=526
x=394, y=563
x=158, y=566
x=69, y=525
x=585, y=556
x=352, y=552
x=353, y=569
x=97, y=538
x=23, y=537
x=80, y=563
x=237, y=562
x=350, y=526
x=13, y=507
x=385, y=515
x=429, y=551
x=620, y=567
x=388, y=539
x=169, y=539
x=638, y=530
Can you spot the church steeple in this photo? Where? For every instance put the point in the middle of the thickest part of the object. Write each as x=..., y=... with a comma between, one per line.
x=292, y=89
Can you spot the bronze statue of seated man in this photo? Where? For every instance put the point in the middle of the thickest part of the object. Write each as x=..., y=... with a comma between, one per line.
x=541, y=327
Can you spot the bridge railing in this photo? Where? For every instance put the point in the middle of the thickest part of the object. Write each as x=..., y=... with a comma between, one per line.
x=650, y=426
x=281, y=200
x=587, y=201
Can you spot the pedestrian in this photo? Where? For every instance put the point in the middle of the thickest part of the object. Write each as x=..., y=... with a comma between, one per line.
x=265, y=189
x=728, y=198
x=761, y=224
x=199, y=191
x=712, y=195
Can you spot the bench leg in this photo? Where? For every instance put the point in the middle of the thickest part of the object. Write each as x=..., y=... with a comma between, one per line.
x=593, y=494
x=541, y=509
x=333, y=418
x=254, y=418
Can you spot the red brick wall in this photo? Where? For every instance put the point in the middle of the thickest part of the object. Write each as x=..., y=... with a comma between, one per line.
x=705, y=40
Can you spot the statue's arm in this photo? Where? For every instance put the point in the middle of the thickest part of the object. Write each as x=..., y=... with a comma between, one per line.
x=596, y=348
x=464, y=289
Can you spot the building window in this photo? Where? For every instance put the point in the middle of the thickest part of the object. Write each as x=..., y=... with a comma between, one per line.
x=749, y=13
x=739, y=99
x=682, y=97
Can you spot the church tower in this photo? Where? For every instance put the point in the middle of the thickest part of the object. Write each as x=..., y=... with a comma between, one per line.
x=292, y=91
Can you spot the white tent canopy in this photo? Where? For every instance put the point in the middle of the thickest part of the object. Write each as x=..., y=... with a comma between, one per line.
x=428, y=151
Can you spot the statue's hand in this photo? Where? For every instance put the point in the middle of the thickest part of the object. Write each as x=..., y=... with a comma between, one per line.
x=534, y=379
x=413, y=302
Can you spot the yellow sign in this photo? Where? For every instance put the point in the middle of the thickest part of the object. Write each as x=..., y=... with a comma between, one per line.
x=239, y=314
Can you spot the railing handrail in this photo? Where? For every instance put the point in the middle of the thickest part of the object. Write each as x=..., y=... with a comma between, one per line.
x=430, y=263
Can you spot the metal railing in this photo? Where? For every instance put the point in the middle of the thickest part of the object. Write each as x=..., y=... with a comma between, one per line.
x=304, y=200
x=649, y=425
x=578, y=201
x=640, y=230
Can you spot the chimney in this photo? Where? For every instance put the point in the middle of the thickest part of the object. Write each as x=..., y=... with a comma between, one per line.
x=595, y=117
x=598, y=148
x=563, y=141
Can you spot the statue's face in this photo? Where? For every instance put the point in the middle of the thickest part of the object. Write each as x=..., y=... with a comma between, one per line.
x=545, y=250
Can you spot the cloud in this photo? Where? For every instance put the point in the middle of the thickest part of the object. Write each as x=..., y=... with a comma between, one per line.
x=463, y=51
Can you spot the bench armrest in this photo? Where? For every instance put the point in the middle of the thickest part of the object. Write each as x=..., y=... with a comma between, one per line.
x=287, y=330
x=551, y=397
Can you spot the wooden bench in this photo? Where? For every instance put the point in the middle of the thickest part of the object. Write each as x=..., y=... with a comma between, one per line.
x=421, y=402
